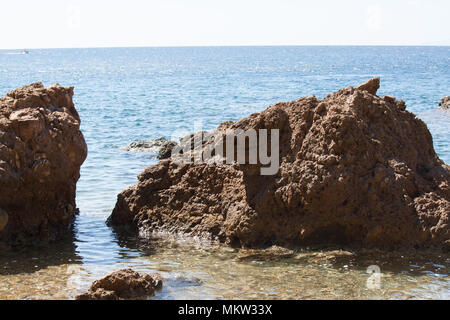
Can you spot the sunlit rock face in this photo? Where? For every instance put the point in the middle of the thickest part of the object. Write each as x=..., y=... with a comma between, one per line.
x=41, y=151
x=355, y=170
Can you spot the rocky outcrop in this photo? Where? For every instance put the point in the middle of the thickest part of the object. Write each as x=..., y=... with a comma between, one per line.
x=355, y=170
x=123, y=284
x=41, y=151
x=445, y=103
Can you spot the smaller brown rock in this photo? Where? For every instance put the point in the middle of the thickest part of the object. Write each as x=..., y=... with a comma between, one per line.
x=99, y=294
x=370, y=86
x=445, y=103
x=123, y=284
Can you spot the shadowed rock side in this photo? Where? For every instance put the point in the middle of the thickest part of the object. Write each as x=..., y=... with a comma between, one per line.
x=166, y=150
x=355, y=170
x=41, y=151
x=123, y=284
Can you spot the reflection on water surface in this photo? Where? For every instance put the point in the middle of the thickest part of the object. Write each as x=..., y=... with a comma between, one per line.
x=196, y=270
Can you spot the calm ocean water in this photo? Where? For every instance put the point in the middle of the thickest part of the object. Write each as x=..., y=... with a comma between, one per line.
x=130, y=94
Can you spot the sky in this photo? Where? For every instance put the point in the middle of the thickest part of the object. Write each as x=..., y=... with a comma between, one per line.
x=130, y=23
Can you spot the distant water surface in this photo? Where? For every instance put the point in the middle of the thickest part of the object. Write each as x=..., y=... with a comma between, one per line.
x=130, y=94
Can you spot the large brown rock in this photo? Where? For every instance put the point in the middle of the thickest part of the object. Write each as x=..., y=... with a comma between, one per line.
x=355, y=170
x=41, y=151
x=123, y=284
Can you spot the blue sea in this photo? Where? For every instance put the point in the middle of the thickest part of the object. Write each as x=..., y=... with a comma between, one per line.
x=129, y=94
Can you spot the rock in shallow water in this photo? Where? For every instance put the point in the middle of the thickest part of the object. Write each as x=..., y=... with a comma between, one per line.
x=151, y=146
x=355, y=170
x=123, y=284
x=445, y=103
x=41, y=151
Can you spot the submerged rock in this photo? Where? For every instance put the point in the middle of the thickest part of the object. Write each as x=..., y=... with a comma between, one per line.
x=165, y=148
x=355, y=170
x=161, y=146
x=123, y=284
x=324, y=256
x=273, y=253
x=445, y=103
x=41, y=151
x=151, y=146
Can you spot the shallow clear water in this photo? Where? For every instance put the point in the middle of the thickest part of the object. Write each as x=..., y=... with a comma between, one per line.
x=196, y=270
x=131, y=94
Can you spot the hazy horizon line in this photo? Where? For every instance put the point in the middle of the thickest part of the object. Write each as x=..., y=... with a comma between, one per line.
x=227, y=46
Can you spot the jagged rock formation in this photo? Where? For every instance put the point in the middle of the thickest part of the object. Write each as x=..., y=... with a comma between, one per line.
x=355, y=170
x=445, y=103
x=123, y=284
x=41, y=151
